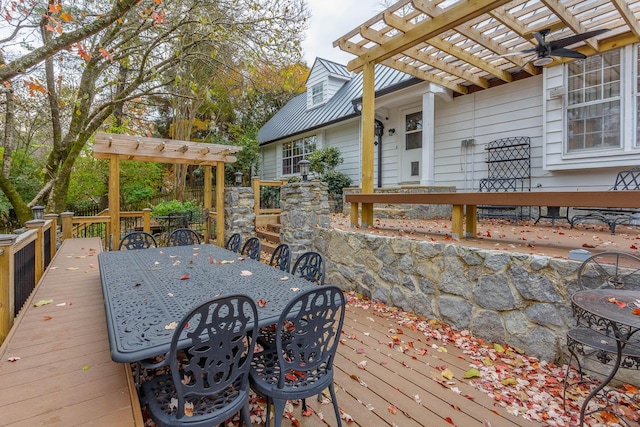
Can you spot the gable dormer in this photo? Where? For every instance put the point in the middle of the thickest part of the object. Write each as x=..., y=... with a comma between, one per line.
x=325, y=79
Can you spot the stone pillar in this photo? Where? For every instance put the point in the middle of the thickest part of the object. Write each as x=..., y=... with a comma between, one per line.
x=305, y=208
x=239, y=216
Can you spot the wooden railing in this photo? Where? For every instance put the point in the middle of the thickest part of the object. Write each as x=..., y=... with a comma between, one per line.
x=23, y=259
x=257, y=184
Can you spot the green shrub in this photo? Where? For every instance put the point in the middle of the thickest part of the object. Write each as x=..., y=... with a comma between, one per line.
x=336, y=181
x=165, y=208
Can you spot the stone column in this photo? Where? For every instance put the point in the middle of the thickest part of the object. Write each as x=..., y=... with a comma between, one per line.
x=239, y=216
x=305, y=208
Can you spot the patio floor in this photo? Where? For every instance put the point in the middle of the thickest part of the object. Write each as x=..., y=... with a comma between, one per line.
x=392, y=368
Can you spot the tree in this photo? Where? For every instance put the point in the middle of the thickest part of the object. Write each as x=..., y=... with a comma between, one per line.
x=122, y=62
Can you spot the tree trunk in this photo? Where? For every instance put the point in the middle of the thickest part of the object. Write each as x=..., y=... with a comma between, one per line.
x=23, y=211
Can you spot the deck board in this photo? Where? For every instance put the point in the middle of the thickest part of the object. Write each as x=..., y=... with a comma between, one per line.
x=65, y=376
x=50, y=385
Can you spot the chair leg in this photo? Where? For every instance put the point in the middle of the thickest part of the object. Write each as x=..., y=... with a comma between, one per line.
x=335, y=404
x=245, y=415
x=278, y=411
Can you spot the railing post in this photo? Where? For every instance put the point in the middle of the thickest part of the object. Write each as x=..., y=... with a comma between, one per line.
x=67, y=225
x=6, y=284
x=255, y=183
x=54, y=232
x=146, y=220
x=38, y=224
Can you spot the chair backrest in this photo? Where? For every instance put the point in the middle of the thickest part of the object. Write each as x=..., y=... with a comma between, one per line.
x=610, y=270
x=183, y=237
x=252, y=248
x=281, y=257
x=308, y=331
x=234, y=242
x=310, y=266
x=138, y=240
x=218, y=338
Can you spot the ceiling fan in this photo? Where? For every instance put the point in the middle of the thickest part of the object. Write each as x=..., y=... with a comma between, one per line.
x=544, y=50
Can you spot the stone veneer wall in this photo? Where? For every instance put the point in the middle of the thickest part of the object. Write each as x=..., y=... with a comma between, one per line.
x=239, y=214
x=406, y=211
x=305, y=210
x=504, y=297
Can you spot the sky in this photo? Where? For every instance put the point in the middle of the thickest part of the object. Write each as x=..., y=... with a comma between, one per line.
x=330, y=20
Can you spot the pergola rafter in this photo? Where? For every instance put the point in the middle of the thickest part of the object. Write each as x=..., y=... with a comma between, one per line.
x=116, y=147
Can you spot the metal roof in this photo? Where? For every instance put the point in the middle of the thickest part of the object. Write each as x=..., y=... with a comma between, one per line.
x=458, y=44
x=294, y=118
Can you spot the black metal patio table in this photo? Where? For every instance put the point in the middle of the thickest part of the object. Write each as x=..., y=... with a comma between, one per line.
x=611, y=315
x=147, y=292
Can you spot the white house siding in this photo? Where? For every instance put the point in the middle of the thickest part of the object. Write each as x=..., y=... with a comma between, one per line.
x=346, y=138
x=269, y=162
x=597, y=168
x=501, y=112
x=317, y=75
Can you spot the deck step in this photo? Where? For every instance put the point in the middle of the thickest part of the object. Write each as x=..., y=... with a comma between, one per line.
x=269, y=236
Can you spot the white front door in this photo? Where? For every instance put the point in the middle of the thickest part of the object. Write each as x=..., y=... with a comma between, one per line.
x=411, y=148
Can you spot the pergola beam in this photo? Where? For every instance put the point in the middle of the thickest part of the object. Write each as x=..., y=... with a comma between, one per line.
x=425, y=30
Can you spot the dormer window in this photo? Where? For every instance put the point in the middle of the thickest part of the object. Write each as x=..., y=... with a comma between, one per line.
x=317, y=94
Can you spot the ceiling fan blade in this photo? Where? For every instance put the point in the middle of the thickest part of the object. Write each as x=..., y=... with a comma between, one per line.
x=520, y=52
x=540, y=36
x=567, y=41
x=567, y=53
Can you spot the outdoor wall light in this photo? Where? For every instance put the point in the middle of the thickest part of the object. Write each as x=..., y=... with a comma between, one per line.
x=38, y=212
x=238, y=175
x=392, y=131
x=304, y=168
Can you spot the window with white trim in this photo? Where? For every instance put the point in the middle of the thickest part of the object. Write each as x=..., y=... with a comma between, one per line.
x=413, y=131
x=594, y=103
x=294, y=151
x=317, y=94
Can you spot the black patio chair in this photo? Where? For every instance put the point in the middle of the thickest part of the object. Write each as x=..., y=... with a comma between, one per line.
x=301, y=363
x=310, y=266
x=183, y=237
x=252, y=248
x=217, y=339
x=234, y=242
x=281, y=257
x=137, y=240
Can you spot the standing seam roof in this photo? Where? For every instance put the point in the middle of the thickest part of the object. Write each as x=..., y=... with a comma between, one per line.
x=294, y=118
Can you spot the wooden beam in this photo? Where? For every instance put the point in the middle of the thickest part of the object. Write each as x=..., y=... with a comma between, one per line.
x=569, y=20
x=471, y=33
x=114, y=201
x=451, y=18
x=368, y=123
x=628, y=16
x=451, y=49
x=207, y=202
x=220, y=204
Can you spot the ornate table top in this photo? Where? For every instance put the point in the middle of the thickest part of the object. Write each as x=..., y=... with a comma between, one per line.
x=146, y=290
x=614, y=305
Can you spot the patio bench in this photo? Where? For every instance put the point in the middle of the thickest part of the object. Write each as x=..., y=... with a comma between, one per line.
x=501, y=184
x=625, y=180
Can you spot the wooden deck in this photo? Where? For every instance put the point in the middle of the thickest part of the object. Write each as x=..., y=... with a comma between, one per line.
x=66, y=377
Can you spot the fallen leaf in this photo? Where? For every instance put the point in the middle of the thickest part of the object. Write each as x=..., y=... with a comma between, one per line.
x=185, y=277
x=13, y=358
x=472, y=373
x=261, y=303
x=447, y=373
x=246, y=273
x=43, y=302
x=171, y=326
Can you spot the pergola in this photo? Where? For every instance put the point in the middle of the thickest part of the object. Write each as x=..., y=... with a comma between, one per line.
x=115, y=148
x=469, y=45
